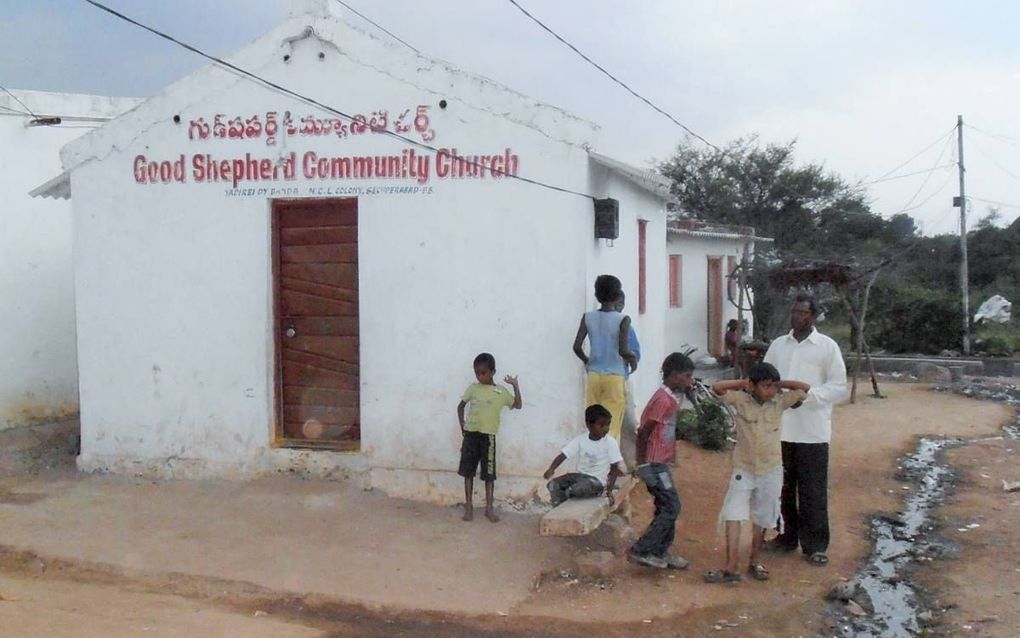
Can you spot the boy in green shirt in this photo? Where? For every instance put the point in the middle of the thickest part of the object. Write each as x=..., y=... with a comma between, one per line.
x=479, y=430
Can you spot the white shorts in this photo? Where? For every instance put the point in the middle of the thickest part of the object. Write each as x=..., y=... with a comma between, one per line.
x=753, y=498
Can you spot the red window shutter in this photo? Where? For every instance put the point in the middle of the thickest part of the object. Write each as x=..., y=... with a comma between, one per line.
x=642, y=296
x=731, y=283
x=674, y=281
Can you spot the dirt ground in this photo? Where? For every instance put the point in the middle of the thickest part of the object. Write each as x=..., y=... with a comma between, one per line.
x=101, y=555
x=980, y=588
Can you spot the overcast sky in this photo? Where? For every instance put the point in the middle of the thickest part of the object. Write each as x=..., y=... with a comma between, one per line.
x=862, y=85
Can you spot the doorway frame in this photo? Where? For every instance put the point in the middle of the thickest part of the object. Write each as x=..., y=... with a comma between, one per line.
x=276, y=205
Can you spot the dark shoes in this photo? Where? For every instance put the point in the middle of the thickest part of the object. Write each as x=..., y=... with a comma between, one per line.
x=818, y=559
x=647, y=560
x=675, y=562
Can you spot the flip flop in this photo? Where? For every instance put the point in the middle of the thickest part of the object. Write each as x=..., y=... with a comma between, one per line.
x=818, y=559
x=722, y=576
x=758, y=572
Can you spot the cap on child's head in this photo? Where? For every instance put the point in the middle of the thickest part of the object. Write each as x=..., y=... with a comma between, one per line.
x=676, y=362
x=607, y=288
x=487, y=360
x=595, y=413
x=762, y=371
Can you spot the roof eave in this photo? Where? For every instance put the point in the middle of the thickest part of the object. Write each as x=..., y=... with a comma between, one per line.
x=57, y=188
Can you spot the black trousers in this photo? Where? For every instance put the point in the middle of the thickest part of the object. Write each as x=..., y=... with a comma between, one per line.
x=658, y=538
x=805, y=499
x=574, y=485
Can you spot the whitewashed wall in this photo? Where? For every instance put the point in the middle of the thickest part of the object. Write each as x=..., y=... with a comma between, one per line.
x=620, y=258
x=38, y=369
x=688, y=324
x=173, y=281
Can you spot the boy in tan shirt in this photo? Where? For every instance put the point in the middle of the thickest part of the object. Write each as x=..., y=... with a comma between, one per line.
x=757, y=478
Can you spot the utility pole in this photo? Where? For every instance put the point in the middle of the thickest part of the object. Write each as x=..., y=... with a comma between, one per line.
x=962, y=202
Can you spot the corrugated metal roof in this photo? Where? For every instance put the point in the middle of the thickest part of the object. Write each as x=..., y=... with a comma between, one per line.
x=717, y=235
x=695, y=228
x=647, y=179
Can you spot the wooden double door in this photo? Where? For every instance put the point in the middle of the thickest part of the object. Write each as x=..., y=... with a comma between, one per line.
x=315, y=272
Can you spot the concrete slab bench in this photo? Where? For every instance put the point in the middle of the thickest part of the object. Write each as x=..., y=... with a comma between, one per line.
x=582, y=516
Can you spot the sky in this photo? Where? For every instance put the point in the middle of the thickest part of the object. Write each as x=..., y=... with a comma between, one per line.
x=862, y=86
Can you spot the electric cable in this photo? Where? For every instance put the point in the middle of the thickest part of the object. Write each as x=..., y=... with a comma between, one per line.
x=18, y=100
x=612, y=77
x=11, y=111
x=995, y=162
x=894, y=177
x=996, y=203
x=377, y=25
x=724, y=152
x=316, y=103
x=998, y=136
x=912, y=158
x=907, y=206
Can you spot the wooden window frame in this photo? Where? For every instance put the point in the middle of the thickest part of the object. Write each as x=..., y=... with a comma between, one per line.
x=642, y=270
x=676, y=285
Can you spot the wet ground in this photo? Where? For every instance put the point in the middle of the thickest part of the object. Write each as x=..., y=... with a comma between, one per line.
x=885, y=598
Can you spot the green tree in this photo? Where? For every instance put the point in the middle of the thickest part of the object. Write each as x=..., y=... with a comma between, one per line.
x=809, y=211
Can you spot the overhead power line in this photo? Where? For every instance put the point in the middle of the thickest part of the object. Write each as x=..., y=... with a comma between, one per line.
x=314, y=102
x=994, y=202
x=377, y=25
x=1012, y=141
x=15, y=111
x=726, y=152
x=913, y=157
x=995, y=162
x=889, y=179
x=908, y=206
x=18, y=100
x=611, y=76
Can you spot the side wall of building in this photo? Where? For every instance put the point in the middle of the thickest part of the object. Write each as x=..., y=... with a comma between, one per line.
x=687, y=324
x=38, y=369
x=620, y=257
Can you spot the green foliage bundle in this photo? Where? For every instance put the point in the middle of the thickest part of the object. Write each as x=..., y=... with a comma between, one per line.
x=998, y=340
x=708, y=425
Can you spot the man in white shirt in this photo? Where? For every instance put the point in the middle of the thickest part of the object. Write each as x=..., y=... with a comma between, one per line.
x=804, y=354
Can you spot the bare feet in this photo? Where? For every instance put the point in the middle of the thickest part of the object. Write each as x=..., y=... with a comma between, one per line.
x=469, y=513
x=491, y=515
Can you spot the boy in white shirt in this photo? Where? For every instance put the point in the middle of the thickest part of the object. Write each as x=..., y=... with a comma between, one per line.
x=599, y=461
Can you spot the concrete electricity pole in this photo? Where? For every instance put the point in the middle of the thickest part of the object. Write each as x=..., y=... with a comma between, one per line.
x=964, y=277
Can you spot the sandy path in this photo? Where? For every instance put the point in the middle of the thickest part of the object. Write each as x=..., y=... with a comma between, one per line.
x=290, y=535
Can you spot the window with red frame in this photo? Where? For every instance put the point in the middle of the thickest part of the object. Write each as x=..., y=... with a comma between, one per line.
x=676, y=272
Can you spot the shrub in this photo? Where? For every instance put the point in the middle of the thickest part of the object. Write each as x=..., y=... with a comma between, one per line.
x=917, y=321
x=997, y=340
x=708, y=425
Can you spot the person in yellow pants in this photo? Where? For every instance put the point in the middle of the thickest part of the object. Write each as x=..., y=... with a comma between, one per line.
x=610, y=358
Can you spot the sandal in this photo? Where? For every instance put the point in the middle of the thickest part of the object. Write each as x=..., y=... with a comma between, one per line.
x=758, y=572
x=722, y=576
x=818, y=559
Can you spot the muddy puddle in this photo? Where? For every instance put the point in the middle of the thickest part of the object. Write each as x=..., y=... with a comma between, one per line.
x=884, y=600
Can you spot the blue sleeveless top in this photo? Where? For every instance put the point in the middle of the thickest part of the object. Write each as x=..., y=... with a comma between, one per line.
x=604, y=337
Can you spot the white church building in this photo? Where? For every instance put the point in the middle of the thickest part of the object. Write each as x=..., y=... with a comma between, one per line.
x=264, y=283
